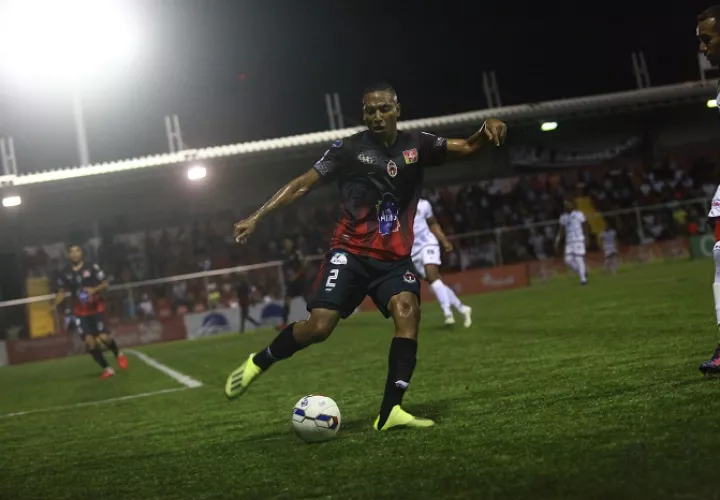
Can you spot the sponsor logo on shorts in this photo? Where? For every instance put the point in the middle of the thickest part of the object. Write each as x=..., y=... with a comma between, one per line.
x=339, y=259
x=409, y=277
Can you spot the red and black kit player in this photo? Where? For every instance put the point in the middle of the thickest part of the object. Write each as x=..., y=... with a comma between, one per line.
x=83, y=284
x=380, y=174
x=294, y=271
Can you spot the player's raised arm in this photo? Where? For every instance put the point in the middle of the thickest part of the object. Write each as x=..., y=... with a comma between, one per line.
x=435, y=229
x=290, y=192
x=493, y=131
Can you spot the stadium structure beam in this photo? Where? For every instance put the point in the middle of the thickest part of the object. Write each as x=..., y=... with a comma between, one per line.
x=618, y=102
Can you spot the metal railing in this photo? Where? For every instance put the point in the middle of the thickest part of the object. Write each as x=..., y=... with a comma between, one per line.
x=205, y=290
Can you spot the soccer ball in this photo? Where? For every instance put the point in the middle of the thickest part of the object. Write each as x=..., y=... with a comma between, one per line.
x=316, y=419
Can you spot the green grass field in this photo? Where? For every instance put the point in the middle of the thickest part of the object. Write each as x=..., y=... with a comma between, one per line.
x=556, y=392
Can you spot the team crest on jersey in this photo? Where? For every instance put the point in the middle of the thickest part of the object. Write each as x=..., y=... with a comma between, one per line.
x=387, y=210
x=86, y=273
x=409, y=277
x=411, y=156
x=392, y=169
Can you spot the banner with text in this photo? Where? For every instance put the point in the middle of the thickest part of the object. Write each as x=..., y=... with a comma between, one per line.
x=227, y=320
x=701, y=246
x=126, y=334
x=472, y=281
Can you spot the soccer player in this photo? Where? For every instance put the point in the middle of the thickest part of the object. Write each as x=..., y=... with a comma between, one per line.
x=574, y=230
x=708, y=32
x=608, y=241
x=84, y=282
x=426, y=259
x=243, y=290
x=294, y=269
x=379, y=173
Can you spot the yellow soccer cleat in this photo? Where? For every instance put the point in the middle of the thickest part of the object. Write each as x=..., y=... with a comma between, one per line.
x=239, y=380
x=400, y=418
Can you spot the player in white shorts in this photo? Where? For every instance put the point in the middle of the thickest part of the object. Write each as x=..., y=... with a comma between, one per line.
x=608, y=240
x=426, y=258
x=712, y=366
x=708, y=32
x=574, y=229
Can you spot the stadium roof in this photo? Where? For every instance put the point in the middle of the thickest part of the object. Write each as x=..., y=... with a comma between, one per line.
x=618, y=102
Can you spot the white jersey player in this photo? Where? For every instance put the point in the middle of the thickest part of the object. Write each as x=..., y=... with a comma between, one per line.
x=426, y=258
x=574, y=229
x=608, y=241
x=712, y=366
x=708, y=32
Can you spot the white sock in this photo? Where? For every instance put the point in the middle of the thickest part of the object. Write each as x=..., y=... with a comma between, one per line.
x=580, y=262
x=440, y=290
x=570, y=261
x=716, y=285
x=453, y=299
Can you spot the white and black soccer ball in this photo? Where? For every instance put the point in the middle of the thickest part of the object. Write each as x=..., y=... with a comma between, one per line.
x=316, y=419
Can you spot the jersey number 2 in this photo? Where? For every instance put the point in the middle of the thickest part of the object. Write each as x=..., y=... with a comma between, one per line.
x=330, y=283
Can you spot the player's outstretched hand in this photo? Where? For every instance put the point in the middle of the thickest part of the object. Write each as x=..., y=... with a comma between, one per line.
x=244, y=228
x=448, y=246
x=495, y=131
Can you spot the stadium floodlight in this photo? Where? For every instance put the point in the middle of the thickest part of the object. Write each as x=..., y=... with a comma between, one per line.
x=196, y=172
x=49, y=42
x=712, y=103
x=66, y=44
x=11, y=201
x=548, y=126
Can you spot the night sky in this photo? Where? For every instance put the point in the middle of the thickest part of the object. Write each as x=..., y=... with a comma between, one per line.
x=243, y=70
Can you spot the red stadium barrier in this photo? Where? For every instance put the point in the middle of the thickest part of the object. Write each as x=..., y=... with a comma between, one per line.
x=473, y=281
x=126, y=335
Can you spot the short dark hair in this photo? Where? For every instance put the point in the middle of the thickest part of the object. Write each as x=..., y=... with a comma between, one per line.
x=73, y=244
x=380, y=87
x=710, y=13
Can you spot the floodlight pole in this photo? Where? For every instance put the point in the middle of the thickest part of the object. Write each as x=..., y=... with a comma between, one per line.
x=80, y=132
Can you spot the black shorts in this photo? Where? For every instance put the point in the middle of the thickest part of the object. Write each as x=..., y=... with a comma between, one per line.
x=93, y=324
x=345, y=279
x=295, y=288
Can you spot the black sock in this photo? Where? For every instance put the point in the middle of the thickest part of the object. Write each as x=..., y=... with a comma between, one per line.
x=99, y=358
x=253, y=321
x=401, y=363
x=112, y=346
x=286, y=313
x=282, y=347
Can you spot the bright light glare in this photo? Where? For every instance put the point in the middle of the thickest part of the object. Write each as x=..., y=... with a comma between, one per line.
x=548, y=126
x=712, y=103
x=11, y=201
x=196, y=173
x=64, y=41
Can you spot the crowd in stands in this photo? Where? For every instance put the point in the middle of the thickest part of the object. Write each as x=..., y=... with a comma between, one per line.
x=519, y=205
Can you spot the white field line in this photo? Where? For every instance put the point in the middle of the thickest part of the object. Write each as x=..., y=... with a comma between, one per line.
x=188, y=382
x=94, y=403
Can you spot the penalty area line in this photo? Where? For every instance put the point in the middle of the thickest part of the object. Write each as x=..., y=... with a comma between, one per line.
x=94, y=403
x=188, y=382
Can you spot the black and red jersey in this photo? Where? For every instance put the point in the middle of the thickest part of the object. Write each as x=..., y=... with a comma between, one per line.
x=380, y=187
x=75, y=281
